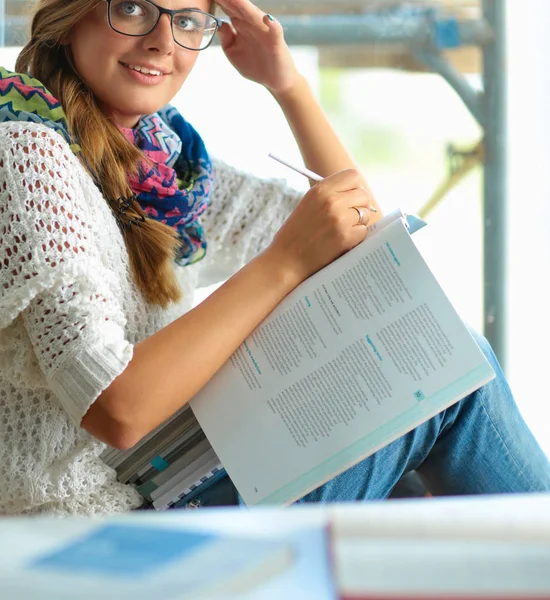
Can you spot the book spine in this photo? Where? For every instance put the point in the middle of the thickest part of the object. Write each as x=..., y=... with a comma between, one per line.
x=170, y=498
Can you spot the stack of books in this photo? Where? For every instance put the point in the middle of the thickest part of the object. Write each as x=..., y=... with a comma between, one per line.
x=171, y=465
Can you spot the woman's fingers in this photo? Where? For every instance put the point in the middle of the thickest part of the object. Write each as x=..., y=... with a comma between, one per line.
x=242, y=9
x=246, y=16
x=249, y=30
x=354, y=204
x=349, y=184
x=227, y=35
x=274, y=26
x=344, y=181
x=343, y=202
x=331, y=219
x=361, y=215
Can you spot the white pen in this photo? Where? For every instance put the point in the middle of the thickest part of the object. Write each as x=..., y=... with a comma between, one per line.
x=310, y=174
x=303, y=171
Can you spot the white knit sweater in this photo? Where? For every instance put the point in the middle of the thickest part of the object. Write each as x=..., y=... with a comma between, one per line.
x=70, y=312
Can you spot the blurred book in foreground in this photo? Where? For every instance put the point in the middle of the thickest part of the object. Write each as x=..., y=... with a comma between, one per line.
x=121, y=561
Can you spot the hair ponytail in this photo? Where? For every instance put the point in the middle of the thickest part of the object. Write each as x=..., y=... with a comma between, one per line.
x=107, y=153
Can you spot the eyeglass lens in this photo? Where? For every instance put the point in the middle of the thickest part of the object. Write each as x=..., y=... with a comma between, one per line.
x=191, y=28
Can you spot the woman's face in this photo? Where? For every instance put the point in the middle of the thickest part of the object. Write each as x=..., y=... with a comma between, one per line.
x=104, y=60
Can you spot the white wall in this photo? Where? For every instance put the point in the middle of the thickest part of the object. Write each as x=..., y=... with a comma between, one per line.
x=529, y=210
x=8, y=57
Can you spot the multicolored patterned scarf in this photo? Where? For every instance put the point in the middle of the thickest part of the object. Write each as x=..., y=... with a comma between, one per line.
x=172, y=185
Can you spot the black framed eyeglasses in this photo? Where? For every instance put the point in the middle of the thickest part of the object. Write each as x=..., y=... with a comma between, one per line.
x=191, y=28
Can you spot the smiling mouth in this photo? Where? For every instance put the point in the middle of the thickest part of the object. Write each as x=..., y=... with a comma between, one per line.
x=144, y=70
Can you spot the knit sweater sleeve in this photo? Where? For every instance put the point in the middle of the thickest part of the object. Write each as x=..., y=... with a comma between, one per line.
x=244, y=215
x=52, y=276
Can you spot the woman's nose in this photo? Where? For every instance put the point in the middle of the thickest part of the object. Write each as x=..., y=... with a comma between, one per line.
x=161, y=39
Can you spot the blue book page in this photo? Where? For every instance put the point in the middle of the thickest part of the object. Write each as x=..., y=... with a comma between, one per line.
x=129, y=561
x=124, y=551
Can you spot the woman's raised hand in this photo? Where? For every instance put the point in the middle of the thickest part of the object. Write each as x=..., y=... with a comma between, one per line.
x=255, y=46
x=324, y=225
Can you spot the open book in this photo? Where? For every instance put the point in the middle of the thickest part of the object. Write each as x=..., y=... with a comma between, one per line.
x=359, y=354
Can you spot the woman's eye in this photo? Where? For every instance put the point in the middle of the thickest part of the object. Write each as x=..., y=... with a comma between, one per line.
x=132, y=9
x=186, y=23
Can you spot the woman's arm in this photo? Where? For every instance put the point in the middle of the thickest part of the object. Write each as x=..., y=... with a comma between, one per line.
x=169, y=368
x=321, y=148
x=254, y=43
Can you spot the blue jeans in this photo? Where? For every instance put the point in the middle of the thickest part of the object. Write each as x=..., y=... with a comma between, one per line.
x=480, y=445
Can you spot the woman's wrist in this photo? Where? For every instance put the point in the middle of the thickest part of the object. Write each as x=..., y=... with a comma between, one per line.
x=283, y=273
x=296, y=92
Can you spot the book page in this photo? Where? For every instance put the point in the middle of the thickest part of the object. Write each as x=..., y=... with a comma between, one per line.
x=357, y=355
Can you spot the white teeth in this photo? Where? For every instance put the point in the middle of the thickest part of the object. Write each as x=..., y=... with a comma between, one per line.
x=144, y=70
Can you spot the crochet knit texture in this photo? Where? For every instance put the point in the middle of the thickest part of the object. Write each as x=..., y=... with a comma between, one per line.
x=70, y=312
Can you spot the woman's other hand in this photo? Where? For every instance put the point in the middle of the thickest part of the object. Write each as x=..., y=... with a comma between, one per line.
x=255, y=46
x=324, y=225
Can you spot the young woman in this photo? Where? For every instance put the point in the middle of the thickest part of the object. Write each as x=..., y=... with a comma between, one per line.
x=112, y=213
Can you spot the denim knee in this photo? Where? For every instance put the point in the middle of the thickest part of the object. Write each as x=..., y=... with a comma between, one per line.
x=484, y=345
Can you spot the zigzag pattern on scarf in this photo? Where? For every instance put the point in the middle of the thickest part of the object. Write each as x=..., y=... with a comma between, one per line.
x=157, y=137
x=23, y=91
x=23, y=98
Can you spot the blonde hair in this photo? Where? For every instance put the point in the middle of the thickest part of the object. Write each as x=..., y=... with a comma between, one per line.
x=107, y=154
